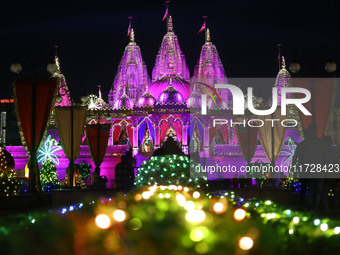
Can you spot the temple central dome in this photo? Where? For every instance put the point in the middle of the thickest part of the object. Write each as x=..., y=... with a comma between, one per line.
x=180, y=85
x=170, y=95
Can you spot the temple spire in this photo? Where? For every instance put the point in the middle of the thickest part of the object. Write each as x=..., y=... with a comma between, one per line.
x=99, y=92
x=283, y=63
x=56, y=59
x=132, y=37
x=207, y=36
x=170, y=25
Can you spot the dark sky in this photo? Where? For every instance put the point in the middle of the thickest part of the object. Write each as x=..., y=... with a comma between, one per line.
x=92, y=38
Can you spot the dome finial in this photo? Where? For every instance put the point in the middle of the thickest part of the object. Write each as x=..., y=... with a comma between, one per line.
x=207, y=36
x=132, y=36
x=170, y=25
x=283, y=63
x=56, y=59
x=99, y=92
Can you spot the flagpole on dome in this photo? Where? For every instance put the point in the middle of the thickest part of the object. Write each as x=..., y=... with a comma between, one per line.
x=279, y=55
x=56, y=59
x=129, y=28
x=204, y=26
x=166, y=14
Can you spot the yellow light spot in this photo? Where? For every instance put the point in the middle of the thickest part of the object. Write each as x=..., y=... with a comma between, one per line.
x=296, y=220
x=153, y=188
x=167, y=195
x=103, y=221
x=196, y=234
x=239, y=214
x=219, y=207
x=147, y=194
x=324, y=226
x=202, y=248
x=196, y=195
x=195, y=216
x=246, y=243
x=119, y=215
x=180, y=200
x=186, y=189
x=189, y=205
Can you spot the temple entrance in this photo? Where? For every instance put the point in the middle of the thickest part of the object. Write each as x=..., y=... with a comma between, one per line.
x=123, y=138
x=147, y=143
x=172, y=133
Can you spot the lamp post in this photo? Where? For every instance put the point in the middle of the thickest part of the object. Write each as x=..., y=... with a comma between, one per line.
x=35, y=57
x=314, y=59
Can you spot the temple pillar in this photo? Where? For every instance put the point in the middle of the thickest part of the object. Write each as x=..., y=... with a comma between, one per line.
x=206, y=140
x=185, y=127
x=135, y=149
x=157, y=136
x=135, y=141
x=157, y=131
x=111, y=136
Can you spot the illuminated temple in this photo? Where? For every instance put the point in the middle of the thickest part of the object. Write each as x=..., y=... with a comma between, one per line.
x=144, y=111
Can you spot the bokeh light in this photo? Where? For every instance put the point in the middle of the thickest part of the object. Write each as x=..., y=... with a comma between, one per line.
x=324, y=226
x=135, y=224
x=180, y=200
x=119, y=215
x=196, y=195
x=189, y=205
x=103, y=221
x=195, y=216
x=239, y=214
x=197, y=234
x=296, y=220
x=246, y=243
x=219, y=207
x=147, y=194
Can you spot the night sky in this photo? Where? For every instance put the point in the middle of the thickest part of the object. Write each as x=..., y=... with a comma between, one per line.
x=92, y=38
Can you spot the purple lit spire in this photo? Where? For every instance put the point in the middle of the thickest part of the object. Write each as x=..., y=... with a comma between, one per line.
x=131, y=74
x=63, y=90
x=170, y=62
x=209, y=69
x=282, y=79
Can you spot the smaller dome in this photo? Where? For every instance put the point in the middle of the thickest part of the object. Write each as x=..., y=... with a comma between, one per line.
x=194, y=100
x=283, y=73
x=170, y=96
x=124, y=102
x=146, y=99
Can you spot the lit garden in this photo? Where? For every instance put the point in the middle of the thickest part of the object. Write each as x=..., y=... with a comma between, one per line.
x=178, y=215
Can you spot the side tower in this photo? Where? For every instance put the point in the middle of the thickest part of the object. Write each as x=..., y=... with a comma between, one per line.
x=209, y=70
x=131, y=74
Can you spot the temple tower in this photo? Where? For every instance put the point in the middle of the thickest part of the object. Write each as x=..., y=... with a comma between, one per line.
x=131, y=74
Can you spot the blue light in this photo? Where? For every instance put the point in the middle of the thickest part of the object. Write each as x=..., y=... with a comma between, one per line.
x=47, y=152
